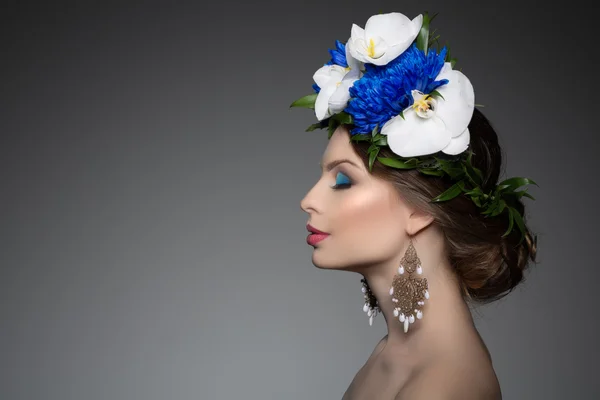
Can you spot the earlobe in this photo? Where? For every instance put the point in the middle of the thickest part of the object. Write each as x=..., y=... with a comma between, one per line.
x=418, y=221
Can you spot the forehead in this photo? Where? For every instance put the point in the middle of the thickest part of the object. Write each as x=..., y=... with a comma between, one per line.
x=339, y=146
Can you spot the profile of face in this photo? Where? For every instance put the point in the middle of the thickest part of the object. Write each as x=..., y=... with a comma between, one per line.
x=364, y=216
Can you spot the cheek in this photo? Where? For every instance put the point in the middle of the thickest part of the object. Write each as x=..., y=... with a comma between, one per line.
x=370, y=221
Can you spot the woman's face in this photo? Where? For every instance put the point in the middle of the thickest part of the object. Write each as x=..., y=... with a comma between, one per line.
x=364, y=216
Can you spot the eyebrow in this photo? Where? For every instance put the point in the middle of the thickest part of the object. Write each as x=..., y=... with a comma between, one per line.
x=335, y=163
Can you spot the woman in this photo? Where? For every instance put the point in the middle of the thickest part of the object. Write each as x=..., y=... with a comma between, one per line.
x=403, y=131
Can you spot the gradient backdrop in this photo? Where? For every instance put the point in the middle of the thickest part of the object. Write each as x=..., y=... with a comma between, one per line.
x=153, y=245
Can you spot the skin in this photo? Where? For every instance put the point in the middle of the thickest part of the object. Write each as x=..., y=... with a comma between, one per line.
x=442, y=356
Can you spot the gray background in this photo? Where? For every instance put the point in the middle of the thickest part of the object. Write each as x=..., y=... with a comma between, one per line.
x=153, y=245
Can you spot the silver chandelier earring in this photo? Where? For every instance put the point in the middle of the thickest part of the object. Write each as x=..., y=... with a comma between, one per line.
x=409, y=291
x=371, y=306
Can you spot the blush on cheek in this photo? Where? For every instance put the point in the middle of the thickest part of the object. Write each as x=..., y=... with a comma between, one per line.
x=374, y=215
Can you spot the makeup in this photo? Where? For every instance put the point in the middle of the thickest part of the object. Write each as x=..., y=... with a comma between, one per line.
x=315, y=238
x=315, y=235
x=342, y=181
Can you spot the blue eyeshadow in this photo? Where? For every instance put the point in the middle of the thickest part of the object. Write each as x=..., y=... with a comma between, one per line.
x=341, y=179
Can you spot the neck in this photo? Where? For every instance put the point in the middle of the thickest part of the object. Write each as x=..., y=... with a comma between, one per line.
x=445, y=313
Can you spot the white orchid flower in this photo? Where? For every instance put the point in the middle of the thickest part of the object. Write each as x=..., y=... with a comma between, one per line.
x=434, y=124
x=339, y=99
x=384, y=37
x=335, y=82
x=328, y=78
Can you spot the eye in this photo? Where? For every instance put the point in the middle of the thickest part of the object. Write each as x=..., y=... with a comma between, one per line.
x=341, y=181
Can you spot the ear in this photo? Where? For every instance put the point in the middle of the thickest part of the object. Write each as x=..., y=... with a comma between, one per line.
x=417, y=221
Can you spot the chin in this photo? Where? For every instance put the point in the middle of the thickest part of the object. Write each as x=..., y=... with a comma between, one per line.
x=333, y=263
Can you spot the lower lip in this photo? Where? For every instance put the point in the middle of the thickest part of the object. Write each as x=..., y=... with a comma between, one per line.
x=315, y=238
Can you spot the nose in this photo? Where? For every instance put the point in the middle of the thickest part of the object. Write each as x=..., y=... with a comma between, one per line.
x=306, y=204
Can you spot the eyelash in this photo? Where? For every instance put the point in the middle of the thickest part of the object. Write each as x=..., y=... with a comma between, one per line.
x=344, y=185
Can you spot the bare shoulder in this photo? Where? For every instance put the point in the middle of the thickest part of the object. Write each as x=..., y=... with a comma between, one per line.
x=450, y=378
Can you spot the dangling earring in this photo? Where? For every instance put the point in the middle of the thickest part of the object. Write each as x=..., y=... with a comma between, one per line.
x=371, y=306
x=408, y=291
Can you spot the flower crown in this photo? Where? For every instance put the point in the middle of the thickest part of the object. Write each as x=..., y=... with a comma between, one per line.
x=395, y=90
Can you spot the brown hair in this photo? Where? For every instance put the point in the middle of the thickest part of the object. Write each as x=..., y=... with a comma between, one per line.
x=487, y=265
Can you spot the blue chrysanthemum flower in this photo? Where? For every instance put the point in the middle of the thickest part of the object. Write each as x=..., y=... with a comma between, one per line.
x=338, y=57
x=384, y=91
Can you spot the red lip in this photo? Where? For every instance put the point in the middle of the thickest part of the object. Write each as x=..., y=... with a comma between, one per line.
x=312, y=229
x=315, y=238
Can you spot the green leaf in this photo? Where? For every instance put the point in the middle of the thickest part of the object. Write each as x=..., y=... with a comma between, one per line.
x=477, y=202
x=435, y=93
x=470, y=156
x=519, y=220
x=423, y=37
x=378, y=137
x=343, y=117
x=435, y=172
x=450, y=193
x=395, y=163
x=453, y=171
x=528, y=195
x=476, y=191
x=517, y=182
x=491, y=207
x=447, y=58
x=318, y=125
x=333, y=124
x=470, y=175
x=499, y=208
x=306, y=101
x=518, y=194
x=372, y=156
x=359, y=138
x=479, y=174
x=433, y=39
x=381, y=140
x=412, y=160
x=375, y=131
x=510, y=222
x=475, y=175
x=500, y=188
